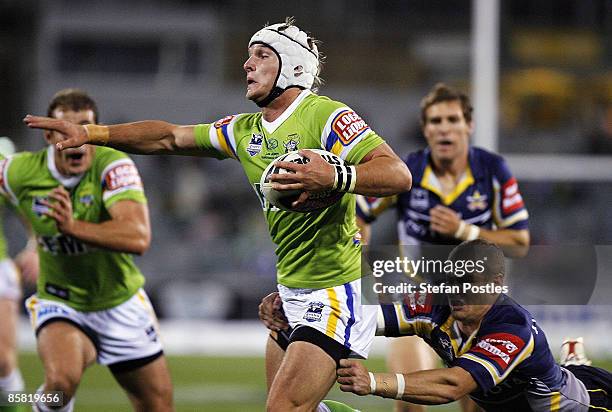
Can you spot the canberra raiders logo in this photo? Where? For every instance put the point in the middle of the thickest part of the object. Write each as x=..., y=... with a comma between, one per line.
x=292, y=142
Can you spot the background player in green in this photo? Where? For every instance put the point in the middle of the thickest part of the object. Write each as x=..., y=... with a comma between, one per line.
x=25, y=264
x=318, y=267
x=88, y=211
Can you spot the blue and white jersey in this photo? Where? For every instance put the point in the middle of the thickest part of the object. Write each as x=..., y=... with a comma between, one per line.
x=508, y=355
x=487, y=196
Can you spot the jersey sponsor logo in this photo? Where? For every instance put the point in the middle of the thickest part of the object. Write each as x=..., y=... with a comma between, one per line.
x=271, y=144
x=122, y=175
x=62, y=244
x=61, y=293
x=254, y=146
x=314, y=312
x=419, y=198
x=87, y=200
x=348, y=125
x=416, y=304
x=39, y=206
x=222, y=122
x=500, y=347
x=477, y=201
x=511, y=197
x=291, y=143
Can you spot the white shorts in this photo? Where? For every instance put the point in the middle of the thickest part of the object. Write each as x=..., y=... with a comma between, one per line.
x=124, y=333
x=9, y=280
x=336, y=312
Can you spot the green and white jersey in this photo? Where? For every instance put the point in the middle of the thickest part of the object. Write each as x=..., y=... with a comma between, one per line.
x=82, y=276
x=315, y=250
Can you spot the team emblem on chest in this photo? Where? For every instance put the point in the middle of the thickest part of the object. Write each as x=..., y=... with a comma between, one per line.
x=477, y=201
x=255, y=143
x=291, y=143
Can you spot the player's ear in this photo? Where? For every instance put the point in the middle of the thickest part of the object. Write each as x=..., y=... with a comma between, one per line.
x=48, y=136
x=498, y=279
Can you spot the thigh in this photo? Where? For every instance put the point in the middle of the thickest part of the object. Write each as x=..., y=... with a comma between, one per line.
x=305, y=376
x=274, y=357
x=65, y=350
x=148, y=386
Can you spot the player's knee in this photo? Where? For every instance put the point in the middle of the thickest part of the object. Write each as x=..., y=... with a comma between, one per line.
x=62, y=382
x=8, y=362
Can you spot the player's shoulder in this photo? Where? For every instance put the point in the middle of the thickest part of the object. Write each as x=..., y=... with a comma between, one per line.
x=320, y=105
x=416, y=162
x=486, y=158
x=509, y=315
x=24, y=163
x=106, y=155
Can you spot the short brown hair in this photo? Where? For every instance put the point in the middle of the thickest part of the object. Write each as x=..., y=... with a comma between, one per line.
x=73, y=99
x=481, y=249
x=443, y=93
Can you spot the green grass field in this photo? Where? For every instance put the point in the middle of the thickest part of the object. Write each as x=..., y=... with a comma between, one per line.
x=202, y=384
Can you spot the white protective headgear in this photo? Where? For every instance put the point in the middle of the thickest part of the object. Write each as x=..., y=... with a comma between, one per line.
x=7, y=147
x=297, y=53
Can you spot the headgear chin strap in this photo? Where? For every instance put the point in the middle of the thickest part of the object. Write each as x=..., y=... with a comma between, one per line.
x=297, y=54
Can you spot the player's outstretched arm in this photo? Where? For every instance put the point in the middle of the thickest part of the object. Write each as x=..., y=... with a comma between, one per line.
x=146, y=137
x=430, y=387
x=127, y=231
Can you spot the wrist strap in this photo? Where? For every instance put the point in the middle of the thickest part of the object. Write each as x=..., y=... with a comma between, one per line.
x=345, y=178
x=467, y=231
x=401, y=385
x=97, y=134
x=372, y=383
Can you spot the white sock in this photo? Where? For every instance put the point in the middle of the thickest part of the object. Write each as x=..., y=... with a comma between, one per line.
x=12, y=382
x=41, y=407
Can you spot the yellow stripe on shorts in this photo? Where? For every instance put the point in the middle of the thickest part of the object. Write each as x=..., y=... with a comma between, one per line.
x=555, y=401
x=332, y=321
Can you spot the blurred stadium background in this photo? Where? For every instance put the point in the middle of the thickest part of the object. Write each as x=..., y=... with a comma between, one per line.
x=540, y=72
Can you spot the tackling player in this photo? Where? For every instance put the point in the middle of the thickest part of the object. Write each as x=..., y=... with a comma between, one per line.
x=88, y=211
x=494, y=350
x=319, y=265
x=459, y=193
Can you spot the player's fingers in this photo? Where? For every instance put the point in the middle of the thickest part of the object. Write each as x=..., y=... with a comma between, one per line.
x=70, y=143
x=346, y=363
x=346, y=388
x=283, y=177
x=344, y=380
x=40, y=122
x=288, y=186
x=303, y=197
x=289, y=166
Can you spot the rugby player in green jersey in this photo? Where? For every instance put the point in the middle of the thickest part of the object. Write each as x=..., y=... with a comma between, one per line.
x=89, y=213
x=319, y=266
x=25, y=264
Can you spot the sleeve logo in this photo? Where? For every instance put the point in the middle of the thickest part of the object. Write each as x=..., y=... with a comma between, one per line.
x=511, y=197
x=123, y=175
x=500, y=347
x=222, y=122
x=348, y=125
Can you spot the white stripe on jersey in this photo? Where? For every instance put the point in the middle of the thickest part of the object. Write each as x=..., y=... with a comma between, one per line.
x=4, y=186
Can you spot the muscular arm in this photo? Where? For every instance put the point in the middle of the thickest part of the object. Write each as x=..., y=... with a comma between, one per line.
x=382, y=173
x=127, y=231
x=430, y=387
x=145, y=137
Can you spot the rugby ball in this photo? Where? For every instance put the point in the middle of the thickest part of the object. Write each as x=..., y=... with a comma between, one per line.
x=283, y=199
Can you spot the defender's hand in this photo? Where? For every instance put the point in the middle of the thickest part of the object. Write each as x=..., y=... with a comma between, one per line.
x=444, y=220
x=74, y=135
x=271, y=312
x=353, y=377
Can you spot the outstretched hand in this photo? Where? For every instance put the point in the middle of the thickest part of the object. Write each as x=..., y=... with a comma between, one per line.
x=74, y=135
